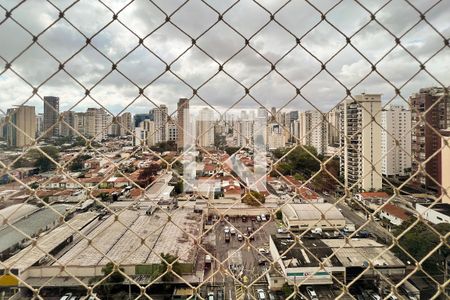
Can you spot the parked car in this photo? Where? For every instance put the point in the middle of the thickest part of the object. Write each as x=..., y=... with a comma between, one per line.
x=232, y=231
x=244, y=219
x=210, y=296
x=263, y=218
x=66, y=296
x=240, y=237
x=258, y=218
x=261, y=294
x=263, y=251
x=226, y=229
x=311, y=293
x=373, y=295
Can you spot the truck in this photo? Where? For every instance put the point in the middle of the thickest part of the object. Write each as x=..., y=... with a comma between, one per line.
x=208, y=261
x=349, y=228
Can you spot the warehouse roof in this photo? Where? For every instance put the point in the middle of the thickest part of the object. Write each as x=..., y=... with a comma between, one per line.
x=32, y=254
x=297, y=212
x=16, y=211
x=358, y=251
x=30, y=225
x=120, y=240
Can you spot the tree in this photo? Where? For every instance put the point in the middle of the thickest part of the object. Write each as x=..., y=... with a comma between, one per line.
x=112, y=281
x=324, y=181
x=168, y=259
x=42, y=161
x=254, y=198
x=298, y=161
x=22, y=163
x=78, y=163
x=428, y=241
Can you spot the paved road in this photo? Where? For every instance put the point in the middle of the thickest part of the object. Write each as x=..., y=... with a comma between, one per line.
x=240, y=257
x=381, y=233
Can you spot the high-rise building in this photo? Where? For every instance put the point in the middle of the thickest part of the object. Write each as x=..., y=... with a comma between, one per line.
x=333, y=127
x=445, y=159
x=126, y=124
x=80, y=123
x=275, y=136
x=51, y=116
x=96, y=122
x=432, y=104
x=205, y=128
x=68, y=125
x=360, y=137
x=172, y=130
x=313, y=130
x=396, y=141
x=21, y=128
x=183, y=119
x=39, y=124
x=145, y=134
x=160, y=115
x=244, y=130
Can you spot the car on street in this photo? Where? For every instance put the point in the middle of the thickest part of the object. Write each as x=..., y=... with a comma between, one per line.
x=312, y=293
x=232, y=231
x=66, y=296
x=261, y=294
x=263, y=251
x=226, y=229
x=244, y=219
x=210, y=296
x=240, y=237
x=263, y=218
x=258, y=218
x=253, y=219
x=373, y=295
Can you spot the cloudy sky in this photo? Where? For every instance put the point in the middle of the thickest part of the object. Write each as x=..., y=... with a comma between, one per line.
x=167, y=31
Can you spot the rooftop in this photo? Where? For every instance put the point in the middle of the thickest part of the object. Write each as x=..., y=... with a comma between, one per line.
x=306, y=254
x=312, y=212
x=395, y=211
x=443, y=208
x=31, y=225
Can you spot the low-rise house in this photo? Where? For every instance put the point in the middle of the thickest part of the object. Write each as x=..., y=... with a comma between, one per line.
x=394, y=214
x=372, y=200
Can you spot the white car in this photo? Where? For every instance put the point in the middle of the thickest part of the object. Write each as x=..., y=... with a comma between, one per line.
x=312, y=293
x=263, y=251
x=373, y=295
x=66, y=296
x=263, y=218
x=227, y=229
x=210, y=296
x=258, y=218
x=232, y=231
x=261, y=294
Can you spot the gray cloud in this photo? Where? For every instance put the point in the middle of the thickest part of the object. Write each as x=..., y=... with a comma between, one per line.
x=115, y=92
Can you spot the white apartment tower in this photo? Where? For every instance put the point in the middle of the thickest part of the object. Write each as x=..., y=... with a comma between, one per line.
x=312, y=130
x=396, y=141
x=360, y=137
x=96, y=122
x=205, y=128
x=160, y=118
x=145, y=134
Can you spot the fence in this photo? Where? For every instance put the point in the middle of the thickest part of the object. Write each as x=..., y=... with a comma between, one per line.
x=174, y=187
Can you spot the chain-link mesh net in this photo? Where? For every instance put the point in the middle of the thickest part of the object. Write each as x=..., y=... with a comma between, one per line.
x=224, y=190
